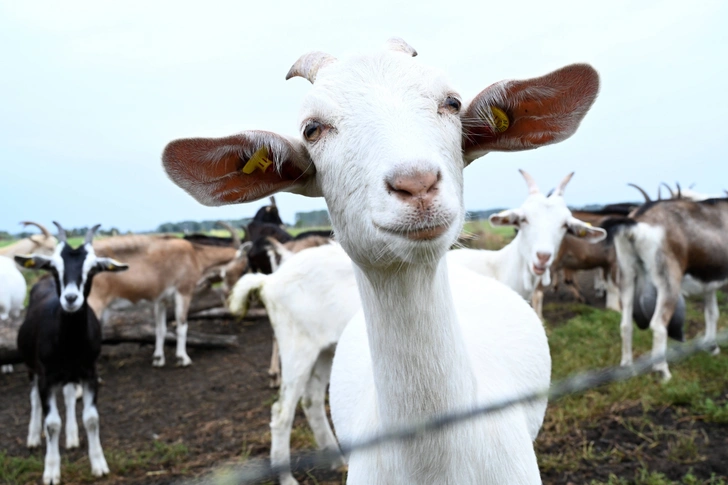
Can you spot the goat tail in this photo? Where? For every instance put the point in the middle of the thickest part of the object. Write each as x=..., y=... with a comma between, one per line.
x=240, y=296
x=615, y=225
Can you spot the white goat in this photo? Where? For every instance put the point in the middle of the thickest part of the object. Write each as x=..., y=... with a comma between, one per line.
x=542, y=223
x=385, y=142
x=12, y=289
x=309, y=301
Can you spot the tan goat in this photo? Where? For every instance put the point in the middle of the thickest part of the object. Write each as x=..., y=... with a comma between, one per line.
x=44, y=243
x=159, y=267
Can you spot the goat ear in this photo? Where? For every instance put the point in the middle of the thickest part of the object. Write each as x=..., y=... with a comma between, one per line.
x=109, y=264
x=522, y=115
x=239, y=168
x=34, y=261
x=510, y=217
x=584, y=230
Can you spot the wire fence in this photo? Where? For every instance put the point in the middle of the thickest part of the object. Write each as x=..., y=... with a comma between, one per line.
x=258, y=470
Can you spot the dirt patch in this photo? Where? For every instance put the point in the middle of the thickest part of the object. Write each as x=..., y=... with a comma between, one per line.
x=631, y=439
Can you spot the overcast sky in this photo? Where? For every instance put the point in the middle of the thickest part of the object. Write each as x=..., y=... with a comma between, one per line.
x=91, y=92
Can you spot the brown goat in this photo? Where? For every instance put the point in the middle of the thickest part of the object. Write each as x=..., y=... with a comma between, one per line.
x=664, y=249
x=159, y=267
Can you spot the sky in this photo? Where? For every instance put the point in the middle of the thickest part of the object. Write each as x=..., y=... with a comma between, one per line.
x=91, y=92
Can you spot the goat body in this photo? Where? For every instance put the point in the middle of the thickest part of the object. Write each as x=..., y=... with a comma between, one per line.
x=161, y=267
x=676, y=246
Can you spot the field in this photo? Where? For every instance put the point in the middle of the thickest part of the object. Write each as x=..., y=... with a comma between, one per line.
x=162, y=425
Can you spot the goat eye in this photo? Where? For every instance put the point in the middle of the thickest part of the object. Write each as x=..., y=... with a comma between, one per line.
x=313, y=131
x=452, y=104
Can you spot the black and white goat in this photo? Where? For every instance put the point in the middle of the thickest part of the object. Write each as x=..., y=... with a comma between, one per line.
x=60, y=340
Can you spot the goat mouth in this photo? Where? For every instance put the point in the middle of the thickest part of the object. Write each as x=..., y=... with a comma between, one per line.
x=538, y=269
x=417, y=234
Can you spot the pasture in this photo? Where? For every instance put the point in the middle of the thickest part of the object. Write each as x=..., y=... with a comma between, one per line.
x=164, y=425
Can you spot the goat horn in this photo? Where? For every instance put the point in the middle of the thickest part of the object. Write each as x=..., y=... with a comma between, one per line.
x=42, y=228
x=308, y=65
x=273, y=201
x=61, y=232
x=672, y=194
x=679, y=190
x=562, y=186
x=642, y=191
x=233, y=233
x=659, y=192
x=90, y=234
x=532, y=187
x=398, y=44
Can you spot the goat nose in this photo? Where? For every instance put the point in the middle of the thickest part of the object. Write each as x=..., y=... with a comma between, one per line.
x=70, y=298
x=414, y=186
x=543, y=257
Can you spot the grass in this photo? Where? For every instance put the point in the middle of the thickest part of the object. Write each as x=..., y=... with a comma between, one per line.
x=156, y=459
x=589, y=338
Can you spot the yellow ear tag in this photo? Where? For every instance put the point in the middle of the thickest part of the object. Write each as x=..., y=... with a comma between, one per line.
x=582, y=233
x=28, y=263
x=500, y=118
x=259, y=160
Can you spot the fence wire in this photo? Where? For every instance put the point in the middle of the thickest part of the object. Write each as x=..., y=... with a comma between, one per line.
x=258, y=470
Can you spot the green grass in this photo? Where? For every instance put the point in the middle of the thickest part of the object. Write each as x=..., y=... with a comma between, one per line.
x=157, y=457
x=590, y=339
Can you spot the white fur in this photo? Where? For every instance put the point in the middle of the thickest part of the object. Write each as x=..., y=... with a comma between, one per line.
x=513, y=355
x=36, y=416
x=52, y=466
x=12, y=289
x=91, y=423
x=69, y=397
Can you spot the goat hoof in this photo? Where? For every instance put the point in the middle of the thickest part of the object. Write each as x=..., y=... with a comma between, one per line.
x=72, y=443
x=274, y=384
x=52, y=476
x=183, y=361
x=158, y=361
x=33, y=442
x=715, y=350
x=100, y=469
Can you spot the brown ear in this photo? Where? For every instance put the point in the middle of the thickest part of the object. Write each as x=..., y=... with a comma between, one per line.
x=522, y=115
x=219, y=171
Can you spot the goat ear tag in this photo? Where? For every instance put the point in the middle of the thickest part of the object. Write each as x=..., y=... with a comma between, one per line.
x=29, y=263
x=500, y=118
x=259, y=160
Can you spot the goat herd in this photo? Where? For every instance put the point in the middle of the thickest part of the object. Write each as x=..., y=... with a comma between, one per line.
x=399, y=325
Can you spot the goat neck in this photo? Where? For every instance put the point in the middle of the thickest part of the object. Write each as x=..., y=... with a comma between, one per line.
x=413, y=331
x=513, y=269
x=209, y=256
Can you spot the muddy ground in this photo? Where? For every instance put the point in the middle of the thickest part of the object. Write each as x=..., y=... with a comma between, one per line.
x=219, y=409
